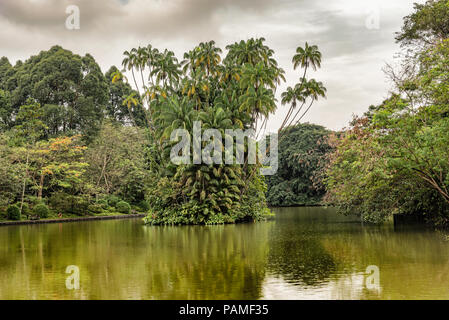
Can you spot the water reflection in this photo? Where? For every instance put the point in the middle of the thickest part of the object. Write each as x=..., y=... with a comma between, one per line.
x=305, y=253
x=126, y=260
x=296, y=251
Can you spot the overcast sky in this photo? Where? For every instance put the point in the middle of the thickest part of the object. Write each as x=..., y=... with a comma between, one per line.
x=356, y=37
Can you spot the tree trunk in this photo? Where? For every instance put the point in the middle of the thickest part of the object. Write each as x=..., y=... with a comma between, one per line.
x=41, y=186
x=24, y=181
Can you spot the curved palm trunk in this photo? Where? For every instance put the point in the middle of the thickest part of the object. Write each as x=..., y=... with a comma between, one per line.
x=287, y=117
x=292, y=107
x=135, y=82
x=296, y=114
x=311, y=103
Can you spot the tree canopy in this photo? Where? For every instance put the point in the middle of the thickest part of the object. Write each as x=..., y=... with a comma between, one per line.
x=303, y=152
x=394, y=159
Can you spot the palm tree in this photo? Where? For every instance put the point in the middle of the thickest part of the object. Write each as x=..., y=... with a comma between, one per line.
x=153, y=56
x=258, y=102
x=142, y=57
x=257, y=76
x=315, y=90
x=189, y=62
x=167, y=68
x=209, y=56
x=306, y=57
x=251, y=51
x=118, y=76
x=289, y=96
x=129, y=63
x=197, y=87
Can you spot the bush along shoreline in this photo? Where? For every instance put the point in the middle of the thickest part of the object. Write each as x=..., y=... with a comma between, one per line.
x=72, y=211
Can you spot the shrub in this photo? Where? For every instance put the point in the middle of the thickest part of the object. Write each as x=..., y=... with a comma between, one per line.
x=25, y=209
x=66, y=203
x=144, y=206
x=41, y=210
x=13, y=213
x=103, y=203
x=123, y=207
x=113, y=200
x=95, y=208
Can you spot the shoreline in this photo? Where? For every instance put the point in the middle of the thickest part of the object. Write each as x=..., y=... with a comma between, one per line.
x=66, y=220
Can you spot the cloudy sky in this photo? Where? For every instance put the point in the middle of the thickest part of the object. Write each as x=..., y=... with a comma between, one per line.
x=356, y=37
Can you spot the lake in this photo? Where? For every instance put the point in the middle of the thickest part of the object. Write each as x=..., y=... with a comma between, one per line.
x=304, y=253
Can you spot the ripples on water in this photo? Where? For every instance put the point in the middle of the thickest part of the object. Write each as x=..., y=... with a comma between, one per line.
x=305, y=253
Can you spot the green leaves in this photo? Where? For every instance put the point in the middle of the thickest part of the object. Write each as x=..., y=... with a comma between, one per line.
x=426, y=26
x=227, y=94
x=309, y=56
x=305, y=90
x=303, y=156
x=395, y=159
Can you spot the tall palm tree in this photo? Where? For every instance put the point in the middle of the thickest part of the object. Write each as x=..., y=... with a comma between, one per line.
x=153, y=56
x=290, y=96
x=251, y=51
x=209, y=57
x=315, y=90
x=306, y=57
x=258, y=102
x=167, y=68
x=197, y=87
x=142, y=57
x=189, y=62
x=129, y=62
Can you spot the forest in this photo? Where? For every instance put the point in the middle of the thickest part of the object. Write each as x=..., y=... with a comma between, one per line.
x=79, y=142
x=76, y=142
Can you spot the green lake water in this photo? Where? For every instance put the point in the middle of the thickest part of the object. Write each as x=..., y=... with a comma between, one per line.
x=304, y=253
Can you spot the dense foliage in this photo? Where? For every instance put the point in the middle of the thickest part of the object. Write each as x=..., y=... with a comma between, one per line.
x=13, y=213
x=41, y=210
x=395, y=158
x=123, y=207
x=236, y=92
x=303, y=151
x=62, y=136
x=83, y=142
x=233, y=93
